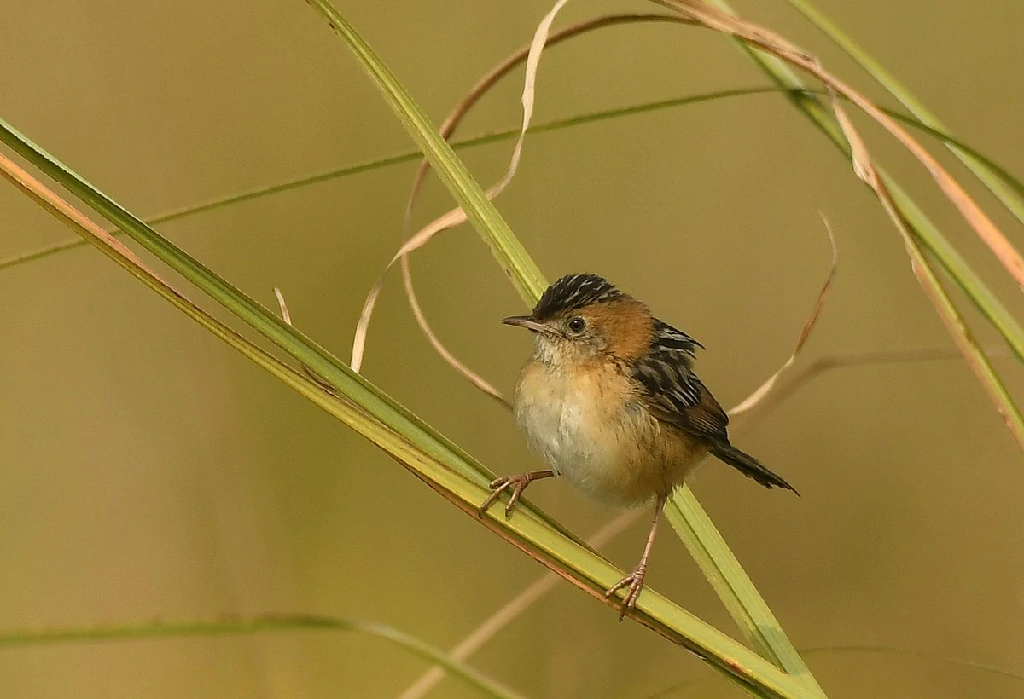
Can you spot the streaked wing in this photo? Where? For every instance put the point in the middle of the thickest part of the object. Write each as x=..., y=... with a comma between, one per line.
x=668, y=338
x=673, y=392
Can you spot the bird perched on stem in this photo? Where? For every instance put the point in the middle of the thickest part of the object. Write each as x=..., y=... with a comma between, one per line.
x=610, y=400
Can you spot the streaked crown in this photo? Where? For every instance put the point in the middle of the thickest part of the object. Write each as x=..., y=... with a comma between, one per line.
x=575, y=291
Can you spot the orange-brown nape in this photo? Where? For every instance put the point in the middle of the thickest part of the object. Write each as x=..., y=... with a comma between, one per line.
x=625, y=327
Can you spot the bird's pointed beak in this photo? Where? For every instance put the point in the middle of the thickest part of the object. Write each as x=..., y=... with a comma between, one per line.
x=526, y=322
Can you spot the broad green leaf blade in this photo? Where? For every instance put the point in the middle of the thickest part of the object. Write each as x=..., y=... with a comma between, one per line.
x=979, y=167
x=253, y=625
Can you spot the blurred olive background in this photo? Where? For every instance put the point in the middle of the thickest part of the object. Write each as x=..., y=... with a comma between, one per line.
x=148, y=472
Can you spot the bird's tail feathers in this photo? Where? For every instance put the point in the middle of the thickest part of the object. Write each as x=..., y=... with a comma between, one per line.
x=749, y=466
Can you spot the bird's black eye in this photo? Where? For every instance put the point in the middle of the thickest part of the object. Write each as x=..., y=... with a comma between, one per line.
x=576, y=325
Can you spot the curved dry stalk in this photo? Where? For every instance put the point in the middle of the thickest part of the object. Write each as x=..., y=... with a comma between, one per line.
x=864, y=167
x=447, y=130
x=286, y=316
x=453, y=361
x=785, y=50
x=764, y=389
x=457, y=216
x=951, y=318
x=773, y=43
x=823, y=365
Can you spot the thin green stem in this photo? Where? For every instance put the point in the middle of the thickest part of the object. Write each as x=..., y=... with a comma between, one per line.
x=734, y=587
x=449, y=472
x=508, y=251
x=364, y=394
x=920, y=224
x=252, y=625
x=993, y=168
x=1003, y=190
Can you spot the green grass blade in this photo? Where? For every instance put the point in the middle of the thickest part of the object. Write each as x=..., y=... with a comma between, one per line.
x=367, y=396
x=306, y=360
x=677, y=690
x=993, y=167
x=388, y=161
x=253, y=625
x=979, y=167
x=234, y=300
x=734, y=587
x=746, y=606
x=922, y=226
x=450, y=474
x=510, y=253
x=979, y=363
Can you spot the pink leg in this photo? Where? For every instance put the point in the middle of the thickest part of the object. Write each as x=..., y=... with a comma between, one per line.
x=635, y=580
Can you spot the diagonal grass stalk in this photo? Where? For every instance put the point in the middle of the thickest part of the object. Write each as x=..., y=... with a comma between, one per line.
x=356, y=388
x=920, y=224
x=992, y=169
x=1004, y=191
x=364, y=408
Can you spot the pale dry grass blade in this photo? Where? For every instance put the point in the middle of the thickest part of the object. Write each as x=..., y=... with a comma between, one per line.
x=822, y=365
x=864, y=168
x=446, y=354
x=765, y=388
x=447, y=220
x=286, y=316
x=951, y=318
x=457, y=216
x=776, y=45
x=448, y=129
x=1006, y=192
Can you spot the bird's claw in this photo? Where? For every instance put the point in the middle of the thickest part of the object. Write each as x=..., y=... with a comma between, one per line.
x=635, y=583
x=498, y=486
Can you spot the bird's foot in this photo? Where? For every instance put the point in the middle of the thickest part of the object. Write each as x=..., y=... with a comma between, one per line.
x=634, y=583
x=515, y=484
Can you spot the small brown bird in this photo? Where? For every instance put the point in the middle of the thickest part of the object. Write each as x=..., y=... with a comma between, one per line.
x=611, y=402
